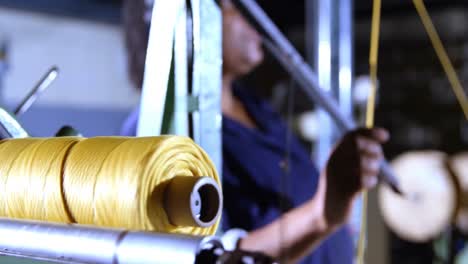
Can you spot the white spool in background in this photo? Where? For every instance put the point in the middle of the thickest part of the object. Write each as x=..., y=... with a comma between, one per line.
x=430, y=196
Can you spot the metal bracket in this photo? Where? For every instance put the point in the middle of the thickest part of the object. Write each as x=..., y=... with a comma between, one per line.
x=11, y=127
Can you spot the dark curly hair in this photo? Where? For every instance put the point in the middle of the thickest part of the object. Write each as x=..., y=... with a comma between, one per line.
x=136, y=28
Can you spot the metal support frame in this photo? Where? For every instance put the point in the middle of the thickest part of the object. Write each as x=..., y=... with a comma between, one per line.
x=319, y=28
x=177, y=27
x=329, y=27
x=329, y=36
x=329, y=44
x=206, y=78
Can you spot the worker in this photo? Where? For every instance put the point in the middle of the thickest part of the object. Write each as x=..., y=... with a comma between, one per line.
x=308, y=224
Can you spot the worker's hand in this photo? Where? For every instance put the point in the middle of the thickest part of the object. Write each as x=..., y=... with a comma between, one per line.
x=353, y=166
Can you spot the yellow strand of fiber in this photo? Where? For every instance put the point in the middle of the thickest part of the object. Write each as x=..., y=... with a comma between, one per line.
x=442, y=55
x=370, y=114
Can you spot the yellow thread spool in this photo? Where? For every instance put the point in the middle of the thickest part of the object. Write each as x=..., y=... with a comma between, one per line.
x=80, y=172
x=9, y=153
x=113, y=182
x=44, y=195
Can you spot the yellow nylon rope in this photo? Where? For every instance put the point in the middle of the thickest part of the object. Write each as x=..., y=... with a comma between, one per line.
x=79, y=190
x=9, y=153
x=104, y=181
x=373, y=60
x=442, y=55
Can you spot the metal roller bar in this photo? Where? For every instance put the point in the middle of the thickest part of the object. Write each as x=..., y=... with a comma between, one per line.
x=286, y=54
x=83, y=244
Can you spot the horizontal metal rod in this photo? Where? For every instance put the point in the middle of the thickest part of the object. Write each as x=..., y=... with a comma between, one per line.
x=85, y=244
x=280, y=47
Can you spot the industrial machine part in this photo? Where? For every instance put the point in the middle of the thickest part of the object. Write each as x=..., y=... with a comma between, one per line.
x=10, y=126
x=193, y=201
x=38, y=89
x=80, y=244
x=83, y=244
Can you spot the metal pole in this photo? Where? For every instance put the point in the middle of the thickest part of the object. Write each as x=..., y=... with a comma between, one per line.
x=83, y=244
x=320, y=43
x=344, y=74
x=346, y=57
x=206, y=83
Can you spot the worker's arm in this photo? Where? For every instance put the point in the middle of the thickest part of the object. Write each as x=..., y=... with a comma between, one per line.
x=352, y=167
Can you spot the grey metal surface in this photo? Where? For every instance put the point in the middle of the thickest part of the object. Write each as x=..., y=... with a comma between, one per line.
x=345, y=55
x=330, y=38
x=11, y=127
x=57, y=242
x=207, y=70
x=141, y=248
x=81, y=244
x=320, y=29
x=292, y=61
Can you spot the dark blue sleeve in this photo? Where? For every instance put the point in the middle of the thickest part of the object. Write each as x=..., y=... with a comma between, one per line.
x=246, y=204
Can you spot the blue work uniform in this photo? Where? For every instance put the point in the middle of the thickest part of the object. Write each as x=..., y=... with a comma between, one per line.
x=253, y=165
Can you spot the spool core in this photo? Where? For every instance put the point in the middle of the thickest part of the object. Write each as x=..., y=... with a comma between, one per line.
x=192, y=201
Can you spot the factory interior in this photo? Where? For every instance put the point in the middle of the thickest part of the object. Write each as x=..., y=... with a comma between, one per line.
x=234, y=131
